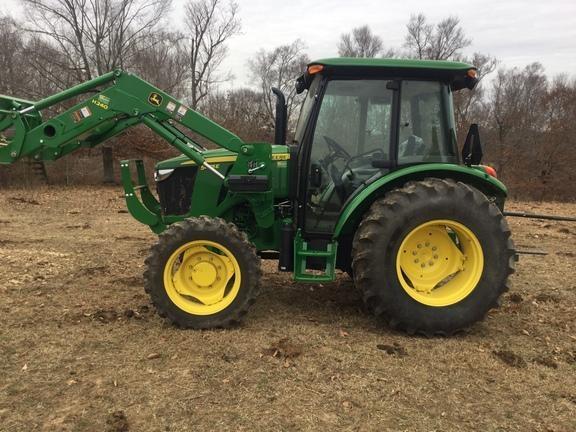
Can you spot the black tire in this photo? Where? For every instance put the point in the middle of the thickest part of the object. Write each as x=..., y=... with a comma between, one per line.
x=210, y=229
x=390, y=219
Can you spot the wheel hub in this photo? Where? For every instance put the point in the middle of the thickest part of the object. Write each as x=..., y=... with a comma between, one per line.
x=202, y=277
x=431, y=262
x=204, y=274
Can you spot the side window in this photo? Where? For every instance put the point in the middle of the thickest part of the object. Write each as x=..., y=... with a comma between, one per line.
x=352, y=129
x=425, y=127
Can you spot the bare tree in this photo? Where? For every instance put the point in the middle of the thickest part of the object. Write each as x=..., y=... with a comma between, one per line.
x=210, y=24
x=518, y=115
x=442, y=41
x=360, y=43
x=11, y=46
x=241, y=110
x=96, y=36
x=164, y=62
x=279, y=68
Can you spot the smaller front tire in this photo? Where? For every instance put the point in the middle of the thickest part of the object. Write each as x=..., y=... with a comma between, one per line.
x=202, y=273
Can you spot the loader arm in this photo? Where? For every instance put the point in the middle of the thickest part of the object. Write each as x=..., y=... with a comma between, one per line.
x=111, y=104
x=118, y=100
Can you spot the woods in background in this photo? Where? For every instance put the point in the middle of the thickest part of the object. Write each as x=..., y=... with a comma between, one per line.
x=527, y=119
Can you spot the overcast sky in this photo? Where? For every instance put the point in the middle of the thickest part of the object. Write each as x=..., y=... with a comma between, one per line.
x=517, y=32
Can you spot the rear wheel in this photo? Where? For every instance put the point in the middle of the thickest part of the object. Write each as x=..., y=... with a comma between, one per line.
x=202, y=273
x=432, y=257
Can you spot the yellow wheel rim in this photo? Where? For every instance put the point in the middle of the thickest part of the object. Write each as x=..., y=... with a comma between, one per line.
x=202, y=277
x=439, y=263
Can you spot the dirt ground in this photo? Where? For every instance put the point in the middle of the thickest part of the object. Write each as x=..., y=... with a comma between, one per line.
x=81, y=348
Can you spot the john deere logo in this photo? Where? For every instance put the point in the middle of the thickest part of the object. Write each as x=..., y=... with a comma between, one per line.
x=155, y=99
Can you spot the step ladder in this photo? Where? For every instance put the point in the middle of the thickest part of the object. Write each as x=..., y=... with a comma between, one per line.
x=302, y=252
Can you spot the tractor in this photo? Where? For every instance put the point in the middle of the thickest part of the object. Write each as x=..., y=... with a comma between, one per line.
x=372, y=185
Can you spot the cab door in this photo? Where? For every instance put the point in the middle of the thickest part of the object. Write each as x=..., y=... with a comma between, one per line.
x=352, y=129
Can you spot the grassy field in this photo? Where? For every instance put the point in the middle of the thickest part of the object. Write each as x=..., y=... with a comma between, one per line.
x=81, y=348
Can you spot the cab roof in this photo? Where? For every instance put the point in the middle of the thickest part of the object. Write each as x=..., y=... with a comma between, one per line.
x=458, y=74
x=395, y=64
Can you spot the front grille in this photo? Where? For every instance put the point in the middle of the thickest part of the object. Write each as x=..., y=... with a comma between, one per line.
x=175, y=192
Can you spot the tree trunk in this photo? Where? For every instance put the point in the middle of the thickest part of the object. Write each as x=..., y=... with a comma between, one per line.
x=108, y=165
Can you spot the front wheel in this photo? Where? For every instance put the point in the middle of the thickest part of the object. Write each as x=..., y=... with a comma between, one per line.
x=202, y=273
x=432, y=257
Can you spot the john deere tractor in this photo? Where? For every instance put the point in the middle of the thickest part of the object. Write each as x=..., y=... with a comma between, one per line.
x=372, y=185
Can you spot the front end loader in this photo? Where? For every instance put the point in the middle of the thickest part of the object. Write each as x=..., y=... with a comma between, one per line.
x=372, y=185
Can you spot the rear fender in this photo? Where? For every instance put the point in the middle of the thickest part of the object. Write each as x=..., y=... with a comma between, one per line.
x=361, y=200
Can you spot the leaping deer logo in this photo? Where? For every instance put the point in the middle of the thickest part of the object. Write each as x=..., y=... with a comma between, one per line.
x=155, y=99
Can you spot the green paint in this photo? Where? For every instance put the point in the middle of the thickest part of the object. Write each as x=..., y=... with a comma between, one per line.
x=395, y=64
x=351, y=214
x=87, y=124
x=124, y=100
x=302, y=252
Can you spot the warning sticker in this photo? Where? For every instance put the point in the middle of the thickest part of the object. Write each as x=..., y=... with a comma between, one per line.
x=81, y=114
x=182, y=111
x=170, y=107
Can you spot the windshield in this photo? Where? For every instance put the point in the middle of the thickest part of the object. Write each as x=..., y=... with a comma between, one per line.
x=305, y=111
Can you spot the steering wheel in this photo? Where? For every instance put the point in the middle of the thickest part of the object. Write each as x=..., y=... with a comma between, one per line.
x=336, y=152
x=337, y=149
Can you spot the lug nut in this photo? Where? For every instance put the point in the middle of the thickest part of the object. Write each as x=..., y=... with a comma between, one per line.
x=419, y=246
x=427, y=244
x=434, y=248
x=416, y=260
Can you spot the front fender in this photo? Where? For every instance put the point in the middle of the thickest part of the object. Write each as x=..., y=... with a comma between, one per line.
x=360, y=201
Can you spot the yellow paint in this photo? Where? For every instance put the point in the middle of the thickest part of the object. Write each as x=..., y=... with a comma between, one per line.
x=202, y=277
x=280, y=156
x=155, y=99
x=436, y=271
x=229, y=159
x=214, y=160
x=100, y=104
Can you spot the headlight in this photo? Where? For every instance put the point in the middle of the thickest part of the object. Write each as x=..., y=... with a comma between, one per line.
x=162, y=174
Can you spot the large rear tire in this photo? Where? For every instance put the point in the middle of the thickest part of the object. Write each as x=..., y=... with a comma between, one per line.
x=432, y=257
x=202, y=273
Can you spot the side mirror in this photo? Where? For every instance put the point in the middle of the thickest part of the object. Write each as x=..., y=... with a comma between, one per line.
x=472, y=150
x=302, y=83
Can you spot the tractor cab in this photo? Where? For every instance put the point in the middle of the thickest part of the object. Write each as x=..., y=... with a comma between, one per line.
x=362, y=119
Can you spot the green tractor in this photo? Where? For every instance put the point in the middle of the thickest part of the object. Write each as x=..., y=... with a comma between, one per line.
x=372, y=184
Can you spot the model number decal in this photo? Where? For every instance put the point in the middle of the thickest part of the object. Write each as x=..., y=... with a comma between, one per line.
x=100, y=104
